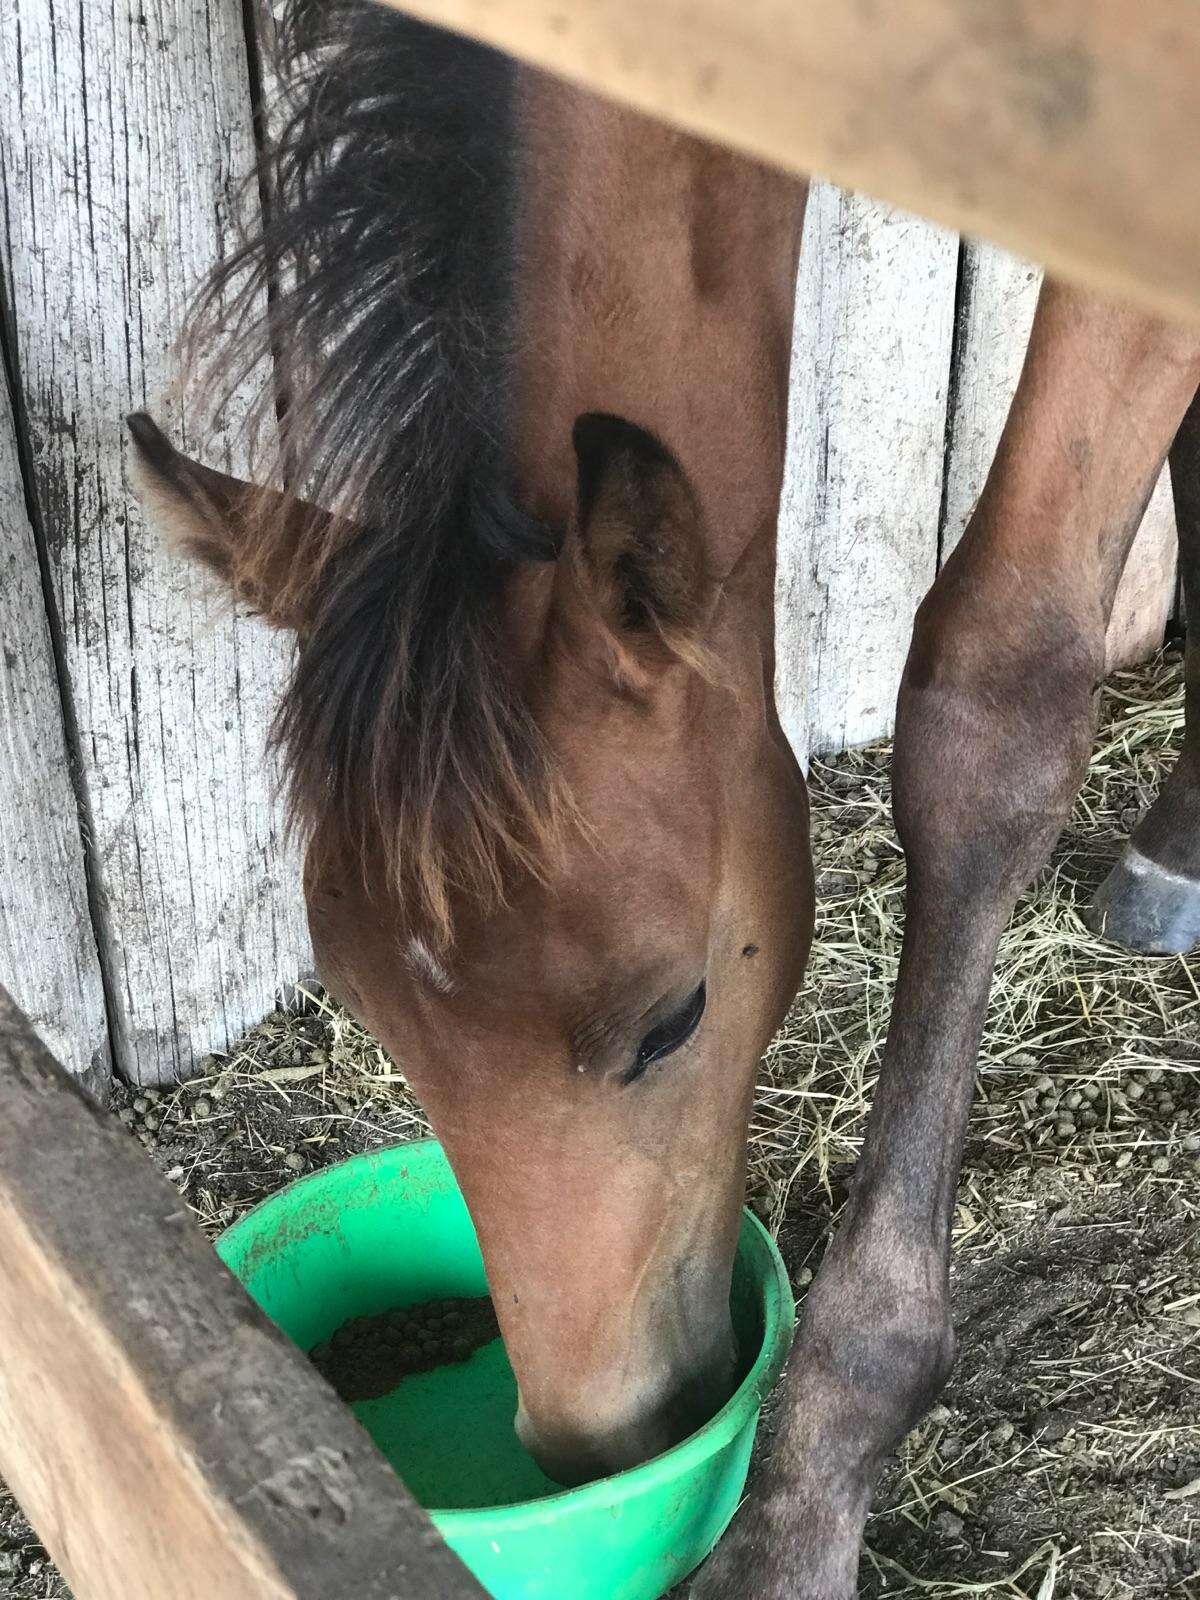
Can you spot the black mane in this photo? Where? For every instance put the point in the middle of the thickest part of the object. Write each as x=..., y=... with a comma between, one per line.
x=385, y=259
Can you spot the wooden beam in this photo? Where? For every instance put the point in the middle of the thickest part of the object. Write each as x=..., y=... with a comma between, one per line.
x=166, y=1441
x=1068, y=131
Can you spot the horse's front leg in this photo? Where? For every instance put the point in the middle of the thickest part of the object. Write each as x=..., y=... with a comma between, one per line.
x=994, y=727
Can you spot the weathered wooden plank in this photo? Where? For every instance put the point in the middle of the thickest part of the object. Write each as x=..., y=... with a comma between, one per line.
x=996, y=306
x=1049, y=129
x=121, y=131
x=859, y=515
x=47, y=949
x=164, y=1438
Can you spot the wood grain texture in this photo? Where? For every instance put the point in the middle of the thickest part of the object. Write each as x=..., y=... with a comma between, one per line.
x=1048, y=129
x=164, y=1438
x=996, y=307
x=859, y=515
x=122, y=130
x=48, y=955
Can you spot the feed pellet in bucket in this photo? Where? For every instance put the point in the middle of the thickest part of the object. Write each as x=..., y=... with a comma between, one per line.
x=368, y=1356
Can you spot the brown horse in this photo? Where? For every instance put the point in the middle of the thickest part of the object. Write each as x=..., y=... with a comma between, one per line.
x=534, y=354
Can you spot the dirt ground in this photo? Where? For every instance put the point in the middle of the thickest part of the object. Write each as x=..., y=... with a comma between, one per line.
x=1064, y=1458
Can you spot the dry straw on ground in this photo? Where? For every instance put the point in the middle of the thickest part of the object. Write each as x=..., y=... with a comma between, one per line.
x=1064, y=1459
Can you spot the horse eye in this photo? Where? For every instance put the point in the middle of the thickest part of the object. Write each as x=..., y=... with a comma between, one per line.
x=667, y=1036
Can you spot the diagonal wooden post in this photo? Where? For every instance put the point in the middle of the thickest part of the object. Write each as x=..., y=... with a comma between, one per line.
x=1069, y=131
x=164, y=1438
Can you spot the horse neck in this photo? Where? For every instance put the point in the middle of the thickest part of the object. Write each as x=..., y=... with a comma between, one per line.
x=654, y=280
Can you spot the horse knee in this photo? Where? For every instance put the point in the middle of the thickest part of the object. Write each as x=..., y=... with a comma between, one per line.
x=877, y=1341
x=920, y=1367
x=994, y=729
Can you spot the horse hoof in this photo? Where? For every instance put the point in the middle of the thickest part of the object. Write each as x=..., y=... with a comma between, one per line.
x=1146, y=907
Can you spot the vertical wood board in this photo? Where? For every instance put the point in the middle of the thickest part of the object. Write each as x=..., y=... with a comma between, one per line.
x=123, y=131
x=862, y=492
x=48, y=955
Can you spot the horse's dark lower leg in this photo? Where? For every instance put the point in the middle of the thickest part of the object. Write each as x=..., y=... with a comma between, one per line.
x=1151, y=899
x=994, y=727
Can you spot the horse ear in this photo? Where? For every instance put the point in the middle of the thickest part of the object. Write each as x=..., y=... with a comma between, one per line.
x=641, y=536
x=217, y=520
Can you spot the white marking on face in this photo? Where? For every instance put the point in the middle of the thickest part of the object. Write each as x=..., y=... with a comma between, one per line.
x=427, y=966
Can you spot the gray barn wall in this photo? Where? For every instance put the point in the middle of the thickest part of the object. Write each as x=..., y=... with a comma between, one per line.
x=907, y=351
x=123, y=130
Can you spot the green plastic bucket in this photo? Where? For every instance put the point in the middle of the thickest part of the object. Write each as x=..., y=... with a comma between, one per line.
x=391, y=1229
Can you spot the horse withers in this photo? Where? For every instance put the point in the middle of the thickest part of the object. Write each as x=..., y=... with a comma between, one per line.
x=532, y=355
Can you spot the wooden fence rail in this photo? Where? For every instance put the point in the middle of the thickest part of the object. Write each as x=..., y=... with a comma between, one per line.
x=164, y=1438
x=148, y=908
x=1069, y=131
